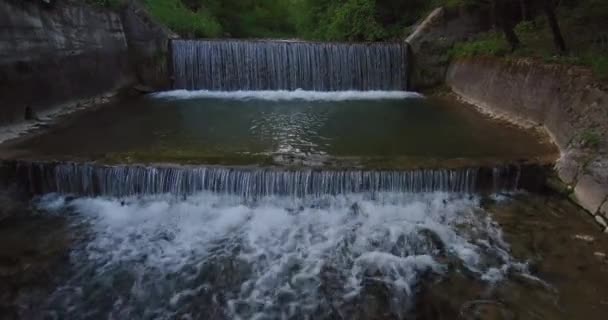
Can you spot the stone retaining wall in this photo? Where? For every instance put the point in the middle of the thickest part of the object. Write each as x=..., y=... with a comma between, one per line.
x=567, y=101
x=52, y=56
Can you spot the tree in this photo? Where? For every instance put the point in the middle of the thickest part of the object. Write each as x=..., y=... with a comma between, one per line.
x=558, y=39
x=505, y=22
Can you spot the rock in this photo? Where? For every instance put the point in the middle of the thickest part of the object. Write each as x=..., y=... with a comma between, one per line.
x=558, y=186
x=604, y=209
x=148, y=46
x=569, y=165
x=140, y=88
x=589, y=193
x=432, y=39
x=584, y=237
x=601, y=221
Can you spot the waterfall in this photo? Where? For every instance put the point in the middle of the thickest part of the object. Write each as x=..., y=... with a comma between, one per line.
x=231, y=65
x=92, y=179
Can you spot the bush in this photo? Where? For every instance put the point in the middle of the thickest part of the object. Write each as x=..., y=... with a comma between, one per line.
x=590, y=139
x=182, y=20
x=355, y=21
x=598, y=61
x=489, y=44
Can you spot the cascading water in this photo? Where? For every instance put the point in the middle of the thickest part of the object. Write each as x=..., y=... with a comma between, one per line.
x=214, y=256
x=212, y=242
x=120, y=181
x=230, y=65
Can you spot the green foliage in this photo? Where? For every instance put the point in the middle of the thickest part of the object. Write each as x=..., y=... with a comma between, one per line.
x=489, y=44
x=537, y=42
x=355, y=21
x=598, y=63
x=253, y=19
x=590, y=139
x=584, y=25
x=175, y=15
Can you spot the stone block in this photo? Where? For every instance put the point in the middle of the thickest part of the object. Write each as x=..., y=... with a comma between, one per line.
x=604, y=210
x=590, y=193
x=601, y=221
x=569, y=165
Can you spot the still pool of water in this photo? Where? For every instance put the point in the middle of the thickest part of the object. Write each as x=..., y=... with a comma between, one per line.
x=374, y=129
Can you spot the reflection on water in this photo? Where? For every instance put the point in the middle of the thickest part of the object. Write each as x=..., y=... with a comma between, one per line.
x=292, y=131
x=247, y=129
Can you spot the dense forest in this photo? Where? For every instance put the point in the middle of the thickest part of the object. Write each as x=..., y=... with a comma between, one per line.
x=563, y=31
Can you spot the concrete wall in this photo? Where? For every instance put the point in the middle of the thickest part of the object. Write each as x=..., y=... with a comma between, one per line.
x=566, y=101
x=50, y=55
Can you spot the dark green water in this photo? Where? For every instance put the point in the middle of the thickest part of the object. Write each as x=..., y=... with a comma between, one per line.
x=381, y=132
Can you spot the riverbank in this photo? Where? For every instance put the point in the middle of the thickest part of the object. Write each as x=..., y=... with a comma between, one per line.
x=566, y=101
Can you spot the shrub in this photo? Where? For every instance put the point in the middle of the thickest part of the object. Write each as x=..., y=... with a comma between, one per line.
x=590, y=139
x=489, y=44
x=182, y=20
x=355, y=21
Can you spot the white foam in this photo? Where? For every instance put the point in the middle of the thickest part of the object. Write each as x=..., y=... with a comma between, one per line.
x=285, y=244
x=283, y=95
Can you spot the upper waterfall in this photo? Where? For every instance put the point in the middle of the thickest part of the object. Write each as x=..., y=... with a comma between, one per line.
x=230, y=65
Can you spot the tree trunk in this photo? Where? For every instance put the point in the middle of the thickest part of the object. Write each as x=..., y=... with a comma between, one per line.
x=524, y=10
x=505, y=23
x=558, y=39
x=493, y=13
x=510, y=35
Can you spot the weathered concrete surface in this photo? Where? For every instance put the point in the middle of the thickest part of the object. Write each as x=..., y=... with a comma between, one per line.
x=604, y=210
x=567, y=101
x=434, y=37
x=148, y=43
x=51, y=55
